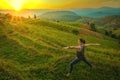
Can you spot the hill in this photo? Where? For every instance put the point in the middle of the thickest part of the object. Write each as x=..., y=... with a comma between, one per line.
x=60, y=16
x=31, y=49
x=108, y=21
x=107, y=25
x=97, y=12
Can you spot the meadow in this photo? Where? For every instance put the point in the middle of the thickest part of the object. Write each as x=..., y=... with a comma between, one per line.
x=32, y=49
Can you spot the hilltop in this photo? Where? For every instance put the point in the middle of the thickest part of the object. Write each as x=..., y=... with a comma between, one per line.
x=32, y=49
x=60, y=16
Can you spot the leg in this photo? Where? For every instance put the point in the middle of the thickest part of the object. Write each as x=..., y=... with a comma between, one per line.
x=75, y=61
x=87, y=62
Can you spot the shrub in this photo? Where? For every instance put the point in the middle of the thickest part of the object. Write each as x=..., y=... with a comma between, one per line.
x=76, y=32
x=93, y=28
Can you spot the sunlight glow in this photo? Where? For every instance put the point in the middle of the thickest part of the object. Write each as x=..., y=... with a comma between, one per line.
x=56, y=4
x=17, y=4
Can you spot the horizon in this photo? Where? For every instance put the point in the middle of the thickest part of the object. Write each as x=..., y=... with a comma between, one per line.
x=63, y=8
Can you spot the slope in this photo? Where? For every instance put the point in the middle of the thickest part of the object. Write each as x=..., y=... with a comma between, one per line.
x=31, y=49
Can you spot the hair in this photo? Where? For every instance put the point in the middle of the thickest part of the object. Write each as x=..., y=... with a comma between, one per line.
x=82, y=40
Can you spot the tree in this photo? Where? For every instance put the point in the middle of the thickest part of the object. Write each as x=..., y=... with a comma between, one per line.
x=118, y=37
x=113, y=35
x=76, y=32
x=29, y=17
x=93, y=28
x=106, y=32
x=35, y=16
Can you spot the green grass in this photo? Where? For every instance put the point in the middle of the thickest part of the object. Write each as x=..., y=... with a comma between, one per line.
x=32, y=50
x=116, y=32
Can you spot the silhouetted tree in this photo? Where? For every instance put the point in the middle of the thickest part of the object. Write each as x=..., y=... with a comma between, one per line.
x=113, y=35
x=118, y=37
x=93, y=28
x=35, y=16
x=29, y=17
x=106, y=32
x=76, y=32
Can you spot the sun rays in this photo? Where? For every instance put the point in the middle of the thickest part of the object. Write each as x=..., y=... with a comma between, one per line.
x=17, y=4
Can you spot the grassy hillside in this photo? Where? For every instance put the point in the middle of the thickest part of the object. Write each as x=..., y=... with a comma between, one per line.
x=117, y=32
x=108, y=25
x=31, y=49
x=108, y=22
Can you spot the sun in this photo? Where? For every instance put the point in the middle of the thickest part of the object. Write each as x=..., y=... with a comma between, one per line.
x=17, y=7
x=17, y=4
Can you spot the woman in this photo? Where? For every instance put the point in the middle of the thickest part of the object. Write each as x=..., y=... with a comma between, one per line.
x=80, y=54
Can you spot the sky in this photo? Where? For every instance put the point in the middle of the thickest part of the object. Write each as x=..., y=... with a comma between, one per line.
x=56, y=4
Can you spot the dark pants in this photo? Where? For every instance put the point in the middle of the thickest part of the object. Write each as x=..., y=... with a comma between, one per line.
x=76, y=60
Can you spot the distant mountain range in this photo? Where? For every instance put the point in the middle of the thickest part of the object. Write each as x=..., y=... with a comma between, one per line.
x=97, y=12
x=68, y=13
x=74, y=14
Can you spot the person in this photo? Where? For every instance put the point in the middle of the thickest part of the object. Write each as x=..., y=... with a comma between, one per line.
x=80, y=54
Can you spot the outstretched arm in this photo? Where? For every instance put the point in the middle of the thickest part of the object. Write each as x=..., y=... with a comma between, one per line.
x=96, y=44
x=72, y=47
